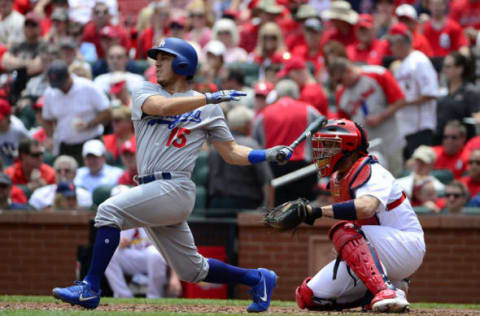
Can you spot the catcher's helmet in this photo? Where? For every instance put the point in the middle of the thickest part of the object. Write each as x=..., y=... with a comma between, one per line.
x=185, y=63
x=336, y=140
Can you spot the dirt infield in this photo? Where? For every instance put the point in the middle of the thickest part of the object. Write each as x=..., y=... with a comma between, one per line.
x=197, y=308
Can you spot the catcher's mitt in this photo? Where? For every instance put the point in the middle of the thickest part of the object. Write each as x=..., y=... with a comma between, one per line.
x=288, y=215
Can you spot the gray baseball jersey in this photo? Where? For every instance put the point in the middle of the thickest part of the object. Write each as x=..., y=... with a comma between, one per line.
x=172, y=143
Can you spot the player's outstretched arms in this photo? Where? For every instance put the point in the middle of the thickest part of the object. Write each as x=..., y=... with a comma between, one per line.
x=159, y=105
x=224, y=96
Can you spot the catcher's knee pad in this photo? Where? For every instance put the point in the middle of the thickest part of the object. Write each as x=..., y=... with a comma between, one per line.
x=359, y=255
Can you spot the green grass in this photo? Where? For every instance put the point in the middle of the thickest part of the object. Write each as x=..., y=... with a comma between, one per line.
x=171, y=301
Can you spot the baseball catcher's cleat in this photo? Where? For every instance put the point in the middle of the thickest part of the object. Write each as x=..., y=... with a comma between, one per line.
x=262, y=292
x=390, y=301
x=79, y=294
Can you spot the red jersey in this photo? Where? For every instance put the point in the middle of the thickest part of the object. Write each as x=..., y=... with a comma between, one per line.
x=16, y=173
x=111, y=146
x=333, y=34
x=17, y=195
x=312, y=93
x=91, y=35
x=471, y=145
x=448, y=39
x=145, y=42
x=248, y=37
x=472, y=185
x=317, y=60
x=466, y=13
x=294, y=40
x=371, y=55
x=453, y=163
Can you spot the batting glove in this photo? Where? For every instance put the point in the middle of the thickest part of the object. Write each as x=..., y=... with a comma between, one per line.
x=223, y=96
x=279, y=154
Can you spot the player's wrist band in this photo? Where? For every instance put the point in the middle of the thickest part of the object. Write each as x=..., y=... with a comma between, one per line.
x=344, y=210
x=316, y=212
x=257, y=155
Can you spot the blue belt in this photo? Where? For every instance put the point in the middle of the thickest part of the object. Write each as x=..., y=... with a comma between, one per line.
x=153, y=177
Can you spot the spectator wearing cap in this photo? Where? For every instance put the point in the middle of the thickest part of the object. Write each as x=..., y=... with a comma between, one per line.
x=100, y=26
x=280, y=123
x=65, y=170
x=342, y=19
x=444, y=34
x=122, y=131
x=26, y=54
x=368, y=50
x=267, y=11
x=59, y=26
x=214, y=69
x=96, y=172
x=6, y=202
x=11, y=24
x=127, y=154
x=262, y=90
x=384, y=17
x=311, y=48
x=421, y=163
x=310, y=91
x=461, y=101
x=29, y=170
x=239, y=187
x=155, y=17
x=226, y=31
x=12, y=132
x=472, y=180
x=178, y=28
x=450, y=154
x=65, y=197
x=269, y=45
x=407, y=15
x=370, y=96
x=419, y=82
x=201, y=21
x=70, y=53
x=293, y=24
x=117, y=60
x=87, y=50
x=74, y=110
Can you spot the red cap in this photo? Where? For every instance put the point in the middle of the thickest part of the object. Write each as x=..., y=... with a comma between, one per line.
x=179, y=20
x=263, y=88
x=117, y=87
x=128, y=146
x=108, y=31
x=5, y=108
x=39, y=103
x=399, y=29
x=365, y=20
x=292, y=64
x=33, y=17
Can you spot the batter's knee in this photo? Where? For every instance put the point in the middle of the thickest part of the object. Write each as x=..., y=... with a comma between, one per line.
x=193, y=273
x=108, y=215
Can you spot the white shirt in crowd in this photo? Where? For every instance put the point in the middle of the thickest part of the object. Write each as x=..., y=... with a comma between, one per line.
x=10, y=139
x=43, y=197
x=109, y=175
x=104, y=82
x=11, y=29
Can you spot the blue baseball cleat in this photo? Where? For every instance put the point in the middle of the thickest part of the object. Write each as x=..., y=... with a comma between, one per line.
x=262, y=292
x=79, y=294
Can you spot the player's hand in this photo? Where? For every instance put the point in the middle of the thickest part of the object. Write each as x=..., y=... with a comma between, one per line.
x=223, y=96
x=278, y=154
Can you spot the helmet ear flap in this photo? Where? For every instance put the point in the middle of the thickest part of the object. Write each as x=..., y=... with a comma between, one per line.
x=363, y=135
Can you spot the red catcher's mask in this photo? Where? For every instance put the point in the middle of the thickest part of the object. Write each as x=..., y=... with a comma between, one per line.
x=338, y=139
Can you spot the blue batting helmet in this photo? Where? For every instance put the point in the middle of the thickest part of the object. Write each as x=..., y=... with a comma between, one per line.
x=185, y=63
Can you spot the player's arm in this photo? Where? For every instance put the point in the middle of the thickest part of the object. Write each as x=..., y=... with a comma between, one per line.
x=159, y=105
x=236, y=154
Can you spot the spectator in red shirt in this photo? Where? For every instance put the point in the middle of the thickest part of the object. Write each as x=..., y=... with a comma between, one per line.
x=122, y=131
x=153, y=34
x=100, y=19
x=310, y=91
x=29, y=170
x=311, y=50
x=342, y=19
x=472, y=180
x=270, y=43
x=408, y=15
x=467, y=14
x=449, y=154
x=368, y=49
x=444, y=34
x=262, y=90
x=127, y=154
x=280, y=123
x=295, y=30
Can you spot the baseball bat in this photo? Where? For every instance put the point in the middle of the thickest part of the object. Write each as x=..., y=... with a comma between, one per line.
x=314, y=127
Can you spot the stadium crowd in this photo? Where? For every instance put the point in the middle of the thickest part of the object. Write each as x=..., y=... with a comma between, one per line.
x=404, y=69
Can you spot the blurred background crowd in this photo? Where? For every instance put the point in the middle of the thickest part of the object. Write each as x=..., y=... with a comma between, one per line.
x=404, y=69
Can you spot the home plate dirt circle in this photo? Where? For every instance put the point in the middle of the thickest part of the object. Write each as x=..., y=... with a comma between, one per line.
x=198, y=308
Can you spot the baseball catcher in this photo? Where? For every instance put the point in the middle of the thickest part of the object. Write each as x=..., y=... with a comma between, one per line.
x=378, y=238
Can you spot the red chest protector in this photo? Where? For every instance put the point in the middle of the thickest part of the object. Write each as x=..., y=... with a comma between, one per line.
x=344, y=189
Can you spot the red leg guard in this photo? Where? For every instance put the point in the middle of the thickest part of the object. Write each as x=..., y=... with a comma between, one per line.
x=304, y=294
x=352, y=247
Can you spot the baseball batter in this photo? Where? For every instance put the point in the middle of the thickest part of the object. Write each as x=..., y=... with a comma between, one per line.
x=171, y=124
x=379, y=240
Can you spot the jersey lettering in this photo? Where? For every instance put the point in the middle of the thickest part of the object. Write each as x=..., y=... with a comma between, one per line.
x=173, y=120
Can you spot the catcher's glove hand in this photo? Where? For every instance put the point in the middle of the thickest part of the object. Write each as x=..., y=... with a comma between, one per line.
x=288, y=215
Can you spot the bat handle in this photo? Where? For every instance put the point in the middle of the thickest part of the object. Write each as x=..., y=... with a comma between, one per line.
x=282, y=155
